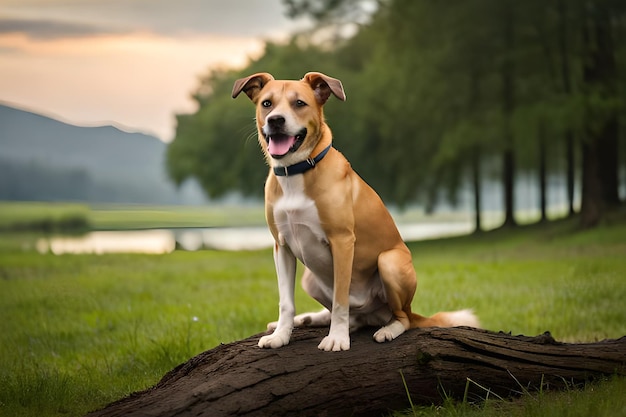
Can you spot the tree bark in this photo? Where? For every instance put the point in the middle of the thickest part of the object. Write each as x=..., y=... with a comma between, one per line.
x=240, y=379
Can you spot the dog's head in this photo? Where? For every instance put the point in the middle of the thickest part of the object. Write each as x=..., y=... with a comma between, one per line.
x=289, y=114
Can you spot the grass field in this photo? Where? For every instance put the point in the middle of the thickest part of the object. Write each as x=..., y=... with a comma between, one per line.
x=79, y=331
x=55, y=217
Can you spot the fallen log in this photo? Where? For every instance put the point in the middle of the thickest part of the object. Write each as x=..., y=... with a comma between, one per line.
x=240, y=379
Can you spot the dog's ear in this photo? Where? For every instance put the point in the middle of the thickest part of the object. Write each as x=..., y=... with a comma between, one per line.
x=252, y=85
x=323, y=86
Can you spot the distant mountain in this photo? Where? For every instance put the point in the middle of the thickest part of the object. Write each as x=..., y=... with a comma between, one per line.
x=45, y=159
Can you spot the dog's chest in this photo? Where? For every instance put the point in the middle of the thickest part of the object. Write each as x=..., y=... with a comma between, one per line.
x=299, y=226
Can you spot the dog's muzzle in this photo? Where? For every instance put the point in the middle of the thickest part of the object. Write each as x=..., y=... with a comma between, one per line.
x=280, y=143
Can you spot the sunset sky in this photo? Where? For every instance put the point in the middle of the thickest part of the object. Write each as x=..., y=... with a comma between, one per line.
x=133, y=63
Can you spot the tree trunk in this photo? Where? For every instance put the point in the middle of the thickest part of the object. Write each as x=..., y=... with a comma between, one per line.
x=508, y=168
x=507, y=75
x=476, y=188
x=473, y=101
x=609, y=162
x=564, y=52
x=604, y=73
x=600, y=180
x=592, y=205
x=240, y=379
x=543, y=172
x=570, y=163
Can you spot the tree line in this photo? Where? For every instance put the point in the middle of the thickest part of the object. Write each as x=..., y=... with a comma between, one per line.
x=441, y=95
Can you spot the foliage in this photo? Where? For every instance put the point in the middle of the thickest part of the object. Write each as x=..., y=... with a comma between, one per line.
x=435, y=90
x=85, y=330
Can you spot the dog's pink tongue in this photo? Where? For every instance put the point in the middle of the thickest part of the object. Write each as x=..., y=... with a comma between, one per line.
x=280, y=145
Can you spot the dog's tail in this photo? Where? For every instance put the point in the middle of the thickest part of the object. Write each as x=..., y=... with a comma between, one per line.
x=446, y=319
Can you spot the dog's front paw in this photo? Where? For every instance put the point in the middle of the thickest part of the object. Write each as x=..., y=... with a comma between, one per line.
x=275, y=340
x=335, y=343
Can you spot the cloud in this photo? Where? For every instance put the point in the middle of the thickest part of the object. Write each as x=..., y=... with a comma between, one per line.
x=49, y=29
x=71, y=18
x=9, y=50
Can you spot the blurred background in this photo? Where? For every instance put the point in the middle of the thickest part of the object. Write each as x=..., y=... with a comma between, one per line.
x=487, y=112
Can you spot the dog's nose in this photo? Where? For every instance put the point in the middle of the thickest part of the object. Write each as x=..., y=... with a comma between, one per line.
x=276, y=122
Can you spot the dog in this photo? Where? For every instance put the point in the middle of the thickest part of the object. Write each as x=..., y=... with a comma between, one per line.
x=323, y=214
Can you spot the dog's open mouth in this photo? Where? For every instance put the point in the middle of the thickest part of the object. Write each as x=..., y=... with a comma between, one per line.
x=280, y=144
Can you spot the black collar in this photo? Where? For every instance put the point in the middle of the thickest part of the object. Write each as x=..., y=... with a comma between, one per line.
x=300, y=167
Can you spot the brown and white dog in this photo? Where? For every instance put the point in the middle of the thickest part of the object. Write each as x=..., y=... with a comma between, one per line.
x=323, y=214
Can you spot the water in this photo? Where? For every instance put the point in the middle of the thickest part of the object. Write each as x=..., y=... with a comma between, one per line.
x=160, y=241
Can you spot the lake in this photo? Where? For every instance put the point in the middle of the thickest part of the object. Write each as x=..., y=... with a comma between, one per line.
x=157, y=241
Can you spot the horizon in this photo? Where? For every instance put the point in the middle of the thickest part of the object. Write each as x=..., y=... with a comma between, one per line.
x=95, y=124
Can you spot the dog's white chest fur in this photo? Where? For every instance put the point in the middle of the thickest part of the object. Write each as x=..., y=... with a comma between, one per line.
x=299, y=226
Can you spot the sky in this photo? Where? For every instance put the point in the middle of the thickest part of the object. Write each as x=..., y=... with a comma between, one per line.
x=131, y=63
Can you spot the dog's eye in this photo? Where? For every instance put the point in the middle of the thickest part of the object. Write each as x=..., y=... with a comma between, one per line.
x=300, y=103
x=266, y=103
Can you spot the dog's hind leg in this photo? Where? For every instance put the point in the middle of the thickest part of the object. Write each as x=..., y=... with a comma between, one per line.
x=396, y=271
x=311, y=319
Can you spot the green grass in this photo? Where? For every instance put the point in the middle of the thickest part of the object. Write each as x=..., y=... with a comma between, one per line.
x=79, y=331
x=116, y=217
x=62, y=217
x=601, y=399
x=43, y=217
x=569, y=282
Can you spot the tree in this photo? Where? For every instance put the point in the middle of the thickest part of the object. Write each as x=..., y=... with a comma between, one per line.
x=217, y=144
x=437, y=91
x=600, y=145
x=507, y=74
x=565, y=77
